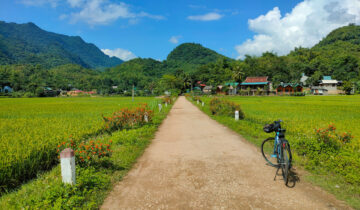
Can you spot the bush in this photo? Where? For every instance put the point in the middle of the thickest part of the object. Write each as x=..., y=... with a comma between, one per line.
x=226, y=108
x=128, y=118
x=167, y=99
x=87, y=153
x=330, y=150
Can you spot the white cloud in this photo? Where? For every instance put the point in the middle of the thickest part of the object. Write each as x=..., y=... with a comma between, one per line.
x=120, y=53
x=52, y=3
x=63, y=17
x=102, y=12
x=174, y=39
x=305, y=25
x=206, y=17
x=75, y=3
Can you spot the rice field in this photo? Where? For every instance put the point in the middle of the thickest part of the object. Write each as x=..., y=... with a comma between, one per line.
x=30, y=129
x=302, y=115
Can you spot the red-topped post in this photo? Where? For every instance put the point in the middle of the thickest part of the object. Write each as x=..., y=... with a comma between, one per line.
x=67, y=161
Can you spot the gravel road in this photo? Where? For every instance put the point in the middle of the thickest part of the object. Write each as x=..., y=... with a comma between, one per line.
x=196, y=163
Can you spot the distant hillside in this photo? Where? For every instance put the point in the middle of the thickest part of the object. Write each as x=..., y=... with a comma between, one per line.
x=193, y=53
x=28, y=44
x=350, y=34
x=189, y=56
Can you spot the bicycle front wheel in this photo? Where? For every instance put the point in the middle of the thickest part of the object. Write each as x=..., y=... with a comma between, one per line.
x=285, y=161
x=268, y=151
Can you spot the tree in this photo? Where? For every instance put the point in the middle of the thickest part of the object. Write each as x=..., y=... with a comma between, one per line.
x=347, y=87
x=238, y=71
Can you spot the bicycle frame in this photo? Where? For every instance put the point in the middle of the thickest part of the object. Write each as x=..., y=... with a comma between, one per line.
x=276, y=143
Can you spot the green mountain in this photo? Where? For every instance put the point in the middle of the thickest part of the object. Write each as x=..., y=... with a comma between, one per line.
x=29, y=44
x=350, y=34
x=194, y=54
x=189, y=56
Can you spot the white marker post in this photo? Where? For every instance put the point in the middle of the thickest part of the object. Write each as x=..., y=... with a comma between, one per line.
x=160, y=107
x=202, y=103
x=197, y=101
x=165, y=104
x=236, y=115
x=146, y=119
x=67, y=162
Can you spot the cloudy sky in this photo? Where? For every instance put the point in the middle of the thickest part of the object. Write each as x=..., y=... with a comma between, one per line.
x=129, y=29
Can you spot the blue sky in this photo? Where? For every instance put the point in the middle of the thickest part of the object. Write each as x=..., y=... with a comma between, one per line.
x=153, y=28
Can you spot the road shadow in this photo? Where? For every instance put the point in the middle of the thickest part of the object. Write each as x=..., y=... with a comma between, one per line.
x=293, y=177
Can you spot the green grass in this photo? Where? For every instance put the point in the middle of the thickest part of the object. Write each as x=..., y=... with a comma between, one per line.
x=334, y=172
x=30, y=129
x=93, y=183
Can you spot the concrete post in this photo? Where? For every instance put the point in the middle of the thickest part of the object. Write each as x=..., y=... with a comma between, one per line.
x=236, y=115
x=146, y=119
x=165, y=104
x=160, y=107
x=197, y=101
x=67, y=162
x=202, y=103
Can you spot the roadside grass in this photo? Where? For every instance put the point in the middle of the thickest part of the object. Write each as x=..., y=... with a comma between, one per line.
x=93, y=183
x=318, y=112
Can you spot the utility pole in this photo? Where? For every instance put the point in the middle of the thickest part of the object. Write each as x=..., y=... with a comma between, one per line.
x=133, y=92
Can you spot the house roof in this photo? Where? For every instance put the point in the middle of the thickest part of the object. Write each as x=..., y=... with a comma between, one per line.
x=232, y=83
x=208, y=88
x=202, y=85
x=255, y=83
x=327, y=78
x=329, y=81
x=255, y=79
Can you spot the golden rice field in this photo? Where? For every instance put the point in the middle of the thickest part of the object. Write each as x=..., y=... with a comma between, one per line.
x=301, y=115
x=30, y=129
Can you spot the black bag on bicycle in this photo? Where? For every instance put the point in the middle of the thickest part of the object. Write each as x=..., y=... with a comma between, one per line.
x=268, y=128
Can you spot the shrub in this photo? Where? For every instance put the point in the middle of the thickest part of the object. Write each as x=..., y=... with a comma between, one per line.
x=330, y=137
x=167, y=100
x=128, y=118
x=87, y=153
x=226, y=108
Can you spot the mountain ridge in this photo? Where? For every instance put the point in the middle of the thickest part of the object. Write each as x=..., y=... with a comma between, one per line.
x=28, y=43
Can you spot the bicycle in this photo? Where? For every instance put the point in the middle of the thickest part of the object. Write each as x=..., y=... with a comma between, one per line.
x=276, y=151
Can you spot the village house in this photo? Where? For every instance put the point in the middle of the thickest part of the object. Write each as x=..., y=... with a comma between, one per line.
x=254, y=84
x=232, y=87
x=219, y=90
x=6, y=89
x=207, y=89
x=303, y=79
x=288, y=88
x=327, y=86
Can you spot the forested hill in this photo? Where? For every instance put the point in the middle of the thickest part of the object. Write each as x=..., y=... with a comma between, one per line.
x=350, y=34
x=194, y=54
x=29, y=44
x=189, y=56
x=144, y=72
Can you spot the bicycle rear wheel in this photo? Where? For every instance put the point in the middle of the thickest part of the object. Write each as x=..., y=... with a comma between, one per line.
x=267, y=149
x=285, y=161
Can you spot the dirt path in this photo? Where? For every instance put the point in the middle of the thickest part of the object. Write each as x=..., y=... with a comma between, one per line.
x=196, y=163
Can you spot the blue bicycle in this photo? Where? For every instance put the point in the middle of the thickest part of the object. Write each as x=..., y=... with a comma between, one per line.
x=276, y=151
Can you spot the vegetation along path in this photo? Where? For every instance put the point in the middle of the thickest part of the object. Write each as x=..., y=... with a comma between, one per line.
x=196, y=163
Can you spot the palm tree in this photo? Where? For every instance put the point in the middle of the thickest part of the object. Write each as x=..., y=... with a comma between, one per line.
x=237, y=72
